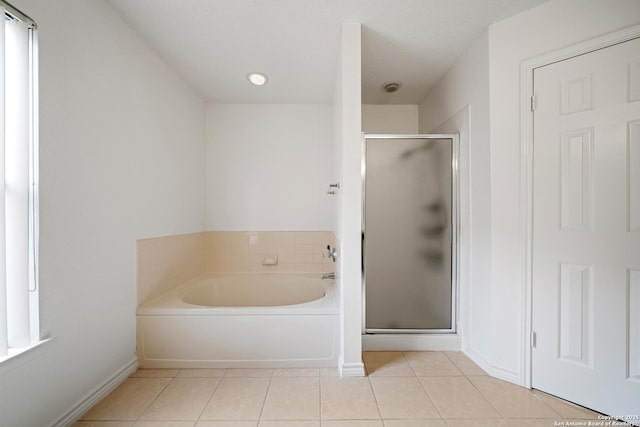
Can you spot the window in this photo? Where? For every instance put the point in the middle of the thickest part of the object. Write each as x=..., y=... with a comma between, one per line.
x=19, y=324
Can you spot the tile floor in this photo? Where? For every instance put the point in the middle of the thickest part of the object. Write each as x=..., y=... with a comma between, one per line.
x=402, y=389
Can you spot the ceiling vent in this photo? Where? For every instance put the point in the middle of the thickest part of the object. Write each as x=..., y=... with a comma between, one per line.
x=391, y=87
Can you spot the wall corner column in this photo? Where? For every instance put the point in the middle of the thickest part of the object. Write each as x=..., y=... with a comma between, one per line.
x=350, y=209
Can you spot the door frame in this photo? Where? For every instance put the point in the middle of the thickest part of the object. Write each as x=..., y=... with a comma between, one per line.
x=455, y=231
x=527, y=105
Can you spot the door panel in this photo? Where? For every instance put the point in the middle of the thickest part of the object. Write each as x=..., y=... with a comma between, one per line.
x=586, y=229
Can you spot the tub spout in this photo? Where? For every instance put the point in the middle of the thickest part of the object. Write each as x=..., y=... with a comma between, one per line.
x=329, y=276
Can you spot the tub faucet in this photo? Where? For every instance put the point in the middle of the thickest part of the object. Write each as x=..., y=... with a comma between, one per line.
x=329, y=276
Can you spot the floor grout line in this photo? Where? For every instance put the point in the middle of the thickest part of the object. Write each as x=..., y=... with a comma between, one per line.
x=370, y=380
x=153, y=400
x=206, y=405
x=265, y=398
x=375, y=398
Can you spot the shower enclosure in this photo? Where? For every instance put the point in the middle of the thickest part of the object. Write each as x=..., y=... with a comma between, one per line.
x=409, y=236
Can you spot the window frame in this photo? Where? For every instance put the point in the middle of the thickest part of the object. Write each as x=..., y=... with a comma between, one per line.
x=17, y=356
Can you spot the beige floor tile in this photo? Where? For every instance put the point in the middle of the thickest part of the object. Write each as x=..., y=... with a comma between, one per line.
x=535, y=422
x=292, y=398
x=387, y=363
x=202, y=373
x=296, y=372
x=329, y=372
x=402, y=397
x=431, y=363
x=183, y=399
x=462, y=362
x=347, y=399
x=477, y=423
x=352, y=423
x=128, y=400
x=566, y=409
x=512, y=401
x=227, y=424
x=155, y=373
x=103, y=424
x=237, y=399
x=165, y=424
x=414, y=423
x=456, y=397
x=297, y=423
x=249, y=373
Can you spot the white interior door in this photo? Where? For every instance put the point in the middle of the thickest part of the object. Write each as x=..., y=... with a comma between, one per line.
x=586, y=230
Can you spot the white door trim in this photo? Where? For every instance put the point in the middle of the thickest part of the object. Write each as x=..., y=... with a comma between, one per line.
x=526, y=170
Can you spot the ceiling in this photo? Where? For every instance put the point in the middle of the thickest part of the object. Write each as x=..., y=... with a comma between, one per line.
x=214, y=44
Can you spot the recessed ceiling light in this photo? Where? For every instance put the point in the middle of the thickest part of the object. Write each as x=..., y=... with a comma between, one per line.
x=257, y=79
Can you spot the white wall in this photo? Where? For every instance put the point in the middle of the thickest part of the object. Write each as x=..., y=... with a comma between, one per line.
x=121, y=149
x=459, y=102
x=389, y=118
x=549, y=27
x=268, y=167
x=486, y=81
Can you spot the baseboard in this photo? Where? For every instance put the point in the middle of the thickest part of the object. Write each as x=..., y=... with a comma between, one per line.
x=505, y=374
x=493, y=370
x=477, y=359
x=351, y=369
x=84, y=404
x=410, y=342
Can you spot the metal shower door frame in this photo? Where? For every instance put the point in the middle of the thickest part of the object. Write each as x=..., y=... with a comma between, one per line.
x=455, y=224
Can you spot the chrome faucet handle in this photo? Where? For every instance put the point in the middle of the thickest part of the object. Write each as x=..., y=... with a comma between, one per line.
x=332, y=253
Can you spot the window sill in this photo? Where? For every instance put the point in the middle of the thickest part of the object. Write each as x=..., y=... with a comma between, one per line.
x=20, y=356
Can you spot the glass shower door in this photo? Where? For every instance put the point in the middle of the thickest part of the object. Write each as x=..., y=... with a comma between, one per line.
x=409, y=233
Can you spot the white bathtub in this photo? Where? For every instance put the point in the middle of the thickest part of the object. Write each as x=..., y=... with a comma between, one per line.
x=241, y=320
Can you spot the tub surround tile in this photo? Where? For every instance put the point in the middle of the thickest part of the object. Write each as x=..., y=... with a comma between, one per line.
x=292, y=398
x=347, y=399
x=303, y=238
x=456, y=397
x=129, y=400
x=243, y=251
x=164, y=263
x=237, y=399
x=402, y=397
x=183, y=399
